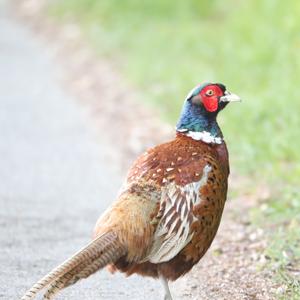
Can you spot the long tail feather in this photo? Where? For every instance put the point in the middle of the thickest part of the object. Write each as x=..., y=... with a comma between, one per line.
x=56, y=286
x=63, y=281
x=84, y=270
x=105, y=248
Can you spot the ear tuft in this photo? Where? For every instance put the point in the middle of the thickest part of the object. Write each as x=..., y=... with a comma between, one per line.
x=221, y=86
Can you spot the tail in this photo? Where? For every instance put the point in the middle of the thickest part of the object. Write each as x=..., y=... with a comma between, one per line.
x=102, y=251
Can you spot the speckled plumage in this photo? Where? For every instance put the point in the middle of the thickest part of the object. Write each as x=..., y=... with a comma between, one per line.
x=180, y=163
x=169, y=208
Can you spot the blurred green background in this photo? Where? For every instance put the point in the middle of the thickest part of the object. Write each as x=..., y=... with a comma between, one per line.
x=164, y=48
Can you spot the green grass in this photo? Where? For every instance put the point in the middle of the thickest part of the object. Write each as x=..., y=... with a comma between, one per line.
x=253, y=48
x=281, y=216
x=164, y=48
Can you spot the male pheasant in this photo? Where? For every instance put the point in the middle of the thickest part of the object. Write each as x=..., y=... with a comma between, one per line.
x=169, y=209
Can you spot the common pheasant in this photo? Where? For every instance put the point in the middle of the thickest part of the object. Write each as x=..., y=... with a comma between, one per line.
x=169, y=209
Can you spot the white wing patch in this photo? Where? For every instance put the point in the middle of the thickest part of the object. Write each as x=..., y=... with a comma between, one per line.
x=175, y=218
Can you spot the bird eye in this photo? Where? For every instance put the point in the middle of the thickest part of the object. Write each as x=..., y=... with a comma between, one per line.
x=209, y=93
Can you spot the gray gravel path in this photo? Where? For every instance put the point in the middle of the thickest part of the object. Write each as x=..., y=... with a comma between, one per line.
x=55, y=180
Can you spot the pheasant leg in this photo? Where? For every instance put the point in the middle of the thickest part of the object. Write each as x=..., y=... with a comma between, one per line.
x=167, y=295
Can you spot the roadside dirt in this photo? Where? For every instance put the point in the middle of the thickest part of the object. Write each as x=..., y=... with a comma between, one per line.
x=232, y=268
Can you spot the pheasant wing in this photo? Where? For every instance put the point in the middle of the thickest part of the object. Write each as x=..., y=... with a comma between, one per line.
x=175, y=218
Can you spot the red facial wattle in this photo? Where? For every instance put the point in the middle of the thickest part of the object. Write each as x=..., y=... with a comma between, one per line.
x=210, y=103
x=210, y=97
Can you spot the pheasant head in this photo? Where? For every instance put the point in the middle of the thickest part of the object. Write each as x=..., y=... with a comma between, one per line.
x=200, y=110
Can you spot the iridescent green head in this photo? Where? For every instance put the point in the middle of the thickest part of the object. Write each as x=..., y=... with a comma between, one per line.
x=202, y=106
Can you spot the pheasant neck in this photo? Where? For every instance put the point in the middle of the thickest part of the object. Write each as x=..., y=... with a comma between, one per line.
x=199, y=124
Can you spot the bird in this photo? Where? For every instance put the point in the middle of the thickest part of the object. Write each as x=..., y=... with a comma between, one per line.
x=169, y=208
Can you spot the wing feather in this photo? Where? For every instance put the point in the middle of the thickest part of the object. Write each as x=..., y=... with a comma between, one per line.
x=175, y=218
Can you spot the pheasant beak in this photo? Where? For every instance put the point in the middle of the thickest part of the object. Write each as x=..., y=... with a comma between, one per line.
x=228, y=97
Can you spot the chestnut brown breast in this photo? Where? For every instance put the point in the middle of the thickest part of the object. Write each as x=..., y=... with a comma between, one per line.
x=182, y=186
